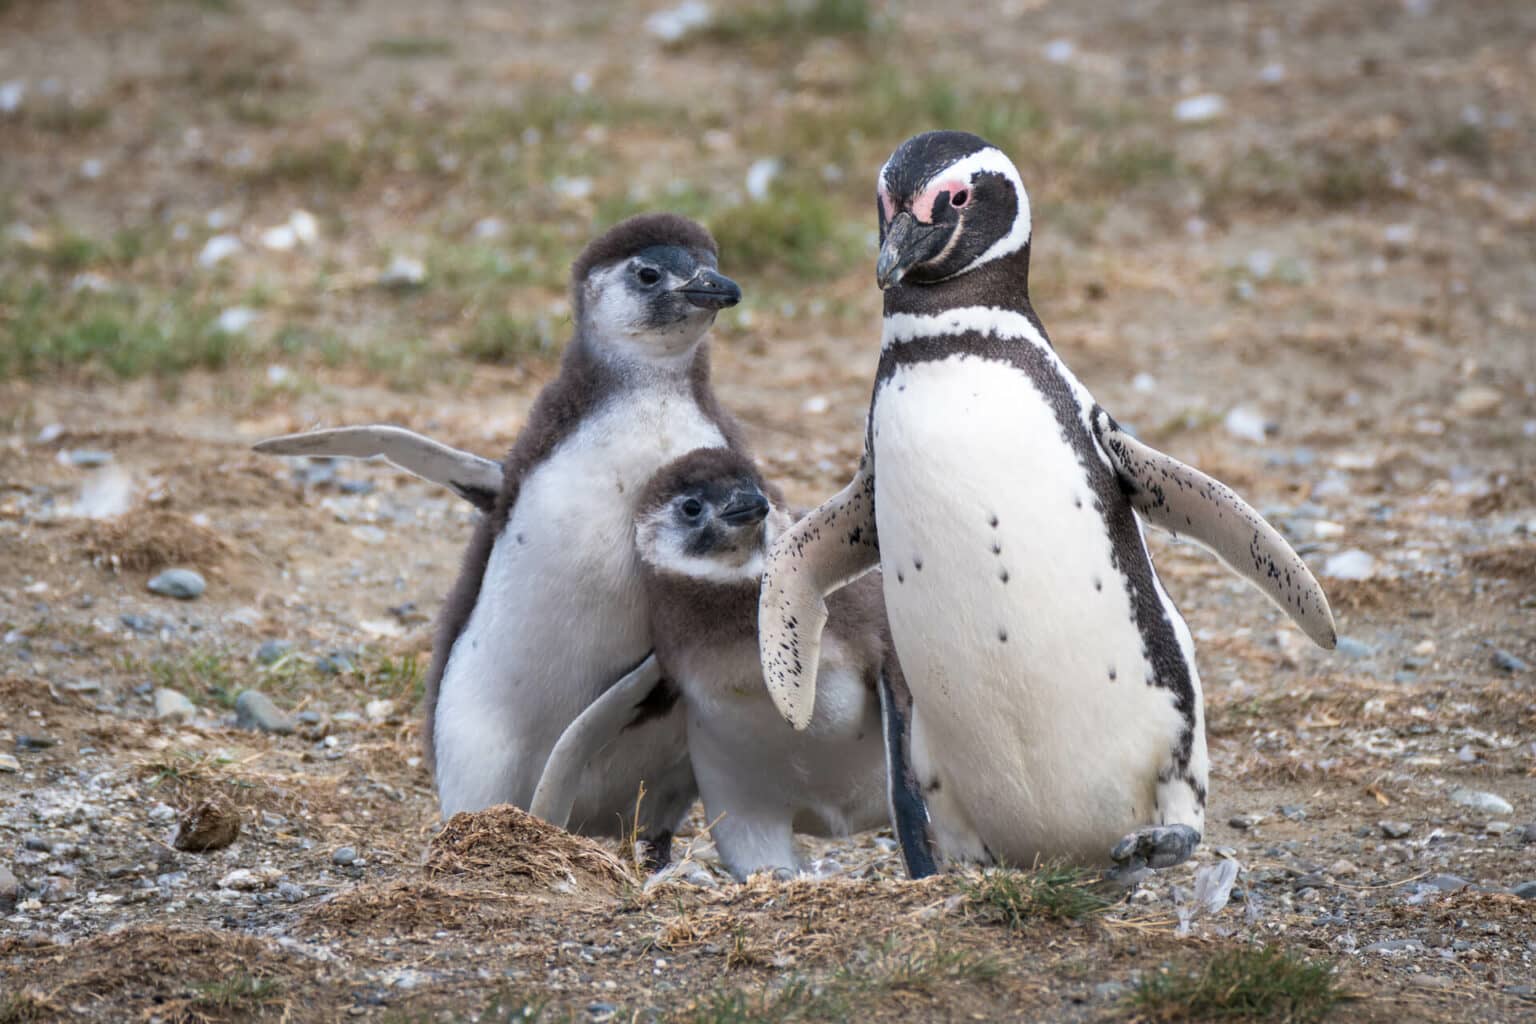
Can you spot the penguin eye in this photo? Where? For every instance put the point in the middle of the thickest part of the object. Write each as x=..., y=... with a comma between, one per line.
x=648, y=275
x=960, y=198
x=692, y=508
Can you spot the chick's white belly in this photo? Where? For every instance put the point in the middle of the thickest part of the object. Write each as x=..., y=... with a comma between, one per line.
x=561, y=617
x=827, y=780
x=1032, y=703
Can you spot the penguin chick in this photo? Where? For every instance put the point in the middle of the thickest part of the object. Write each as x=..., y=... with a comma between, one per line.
x=704, y=524
x=548, y=610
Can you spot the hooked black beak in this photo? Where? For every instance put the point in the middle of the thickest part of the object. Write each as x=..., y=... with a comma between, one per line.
x=745, y=508
x=908, y=242
x=709, y=289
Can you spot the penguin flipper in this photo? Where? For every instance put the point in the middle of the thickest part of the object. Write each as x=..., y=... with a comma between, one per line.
x=592, y=730
x=472, y=478
x=829, y=548
x=1188, y=503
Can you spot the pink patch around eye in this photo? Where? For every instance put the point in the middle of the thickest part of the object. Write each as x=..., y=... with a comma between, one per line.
x=922, y=206
x=887, y=203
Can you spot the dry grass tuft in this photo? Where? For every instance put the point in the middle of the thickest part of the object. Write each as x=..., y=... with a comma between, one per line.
x=511, y=848
x=410, y=907
x=147, y=539
x=173, y=973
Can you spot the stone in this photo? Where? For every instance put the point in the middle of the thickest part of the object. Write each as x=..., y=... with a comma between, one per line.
x=1390, y=946
x=1487, y=803
x=162, y=812
x=57, y=889
x=404, y=272
x=1477, y=401
x=1245, y=821
x=344, y=856
x=1352, y=648
x=211, y=825
x=255, y=710
x=379, y=710
x=271, y=651
x=1525, y=890
x=249, y=879
x=1446, y=883
x=1395, y=829
x=1342, y=868
x=290, y=893
x=1199, y=109
x=173, y=705
x=10, y=890
x=8, y=763
x=182, y=584
x=1506, y=662
x=1353, y=564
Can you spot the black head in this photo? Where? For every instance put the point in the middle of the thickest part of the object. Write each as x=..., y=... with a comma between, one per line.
x=702, y=515
x=649, y=286
x=948, y=202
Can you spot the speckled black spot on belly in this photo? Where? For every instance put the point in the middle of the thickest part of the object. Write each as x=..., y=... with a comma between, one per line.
x=917, y=562
x=1002, y=636
x=1002, y=574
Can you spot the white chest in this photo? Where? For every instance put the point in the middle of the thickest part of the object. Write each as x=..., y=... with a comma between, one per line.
x=561, y=612
x=1012, y=621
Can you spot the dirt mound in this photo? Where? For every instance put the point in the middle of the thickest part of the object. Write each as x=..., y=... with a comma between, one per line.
x=174, y=974
x=512, y=850
x=147, y=539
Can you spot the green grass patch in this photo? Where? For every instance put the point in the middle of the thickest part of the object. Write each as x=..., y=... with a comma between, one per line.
x=787, y=22
x=59, y=116
x=411, y=47
x=506, y=340
x=1263, y=984
x=238, y=992
x=874, y=973
x=1015, y=899
x=52, y=330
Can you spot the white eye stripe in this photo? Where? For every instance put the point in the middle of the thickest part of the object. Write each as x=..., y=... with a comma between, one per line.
x=992, y=161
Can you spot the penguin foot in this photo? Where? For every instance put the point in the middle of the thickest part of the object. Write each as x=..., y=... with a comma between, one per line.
x=1160, y=846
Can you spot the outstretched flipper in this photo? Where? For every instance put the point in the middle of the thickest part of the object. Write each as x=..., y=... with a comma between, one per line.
x=592, y=730
x=1186, y=502
x=828, y=549
x=472, y=478
x=909, y=811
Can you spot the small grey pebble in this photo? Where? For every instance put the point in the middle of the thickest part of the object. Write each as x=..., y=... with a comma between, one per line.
x=138, y=623
x=255, y=710
x=1395, y=829
x=1525, y=890
x=182, y=584
x=1394, y=946
x=601, y=1011
x=335, y=663
x=355, y=486
x=1527, y=833
x=1245, y=821
x=88, y=458
x=270, y=651
x=35, y=843
x=1293, y=812
x=1352, y=648
x=1446, y=883
x=10, y=889
x=162, y=812
x=310, y=718
x=344, y=855
x=35, y=742
x=290, y=892
x=1502, y=659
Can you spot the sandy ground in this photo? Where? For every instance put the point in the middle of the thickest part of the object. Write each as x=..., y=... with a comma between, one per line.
x=1323, y=295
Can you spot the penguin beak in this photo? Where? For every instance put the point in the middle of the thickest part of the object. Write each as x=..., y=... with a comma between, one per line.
x=745, y=508
x=908, y=242
x=709, y=289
